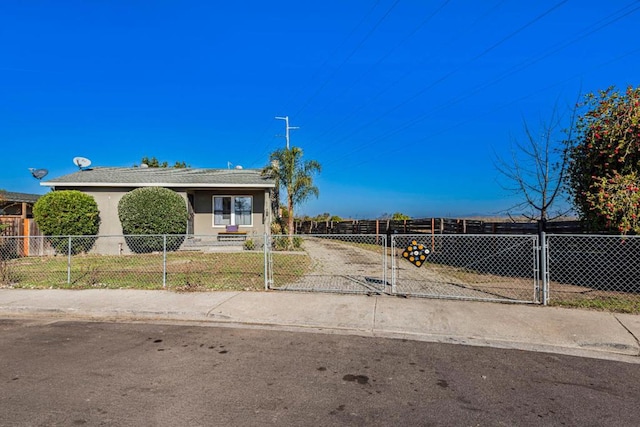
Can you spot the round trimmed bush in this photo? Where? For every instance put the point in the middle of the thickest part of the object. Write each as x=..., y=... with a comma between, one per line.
x=68, y=213
x=153, y=210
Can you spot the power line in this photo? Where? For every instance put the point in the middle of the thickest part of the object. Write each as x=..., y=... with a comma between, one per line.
x=393, y=49
x=403, y=77
x=333, y=54
x=508, y=104
x=599, y=25
x=358, y=46
x=326, y=61
x=449, y=74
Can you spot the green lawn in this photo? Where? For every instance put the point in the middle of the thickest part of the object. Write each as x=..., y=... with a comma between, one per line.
x=185, y=271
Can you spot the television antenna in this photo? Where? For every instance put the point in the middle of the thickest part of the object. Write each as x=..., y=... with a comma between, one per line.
x=38, y=173
x=287, y=128
x=82, y=162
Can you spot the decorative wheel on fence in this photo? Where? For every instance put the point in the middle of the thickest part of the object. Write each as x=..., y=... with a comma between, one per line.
x=416, y=253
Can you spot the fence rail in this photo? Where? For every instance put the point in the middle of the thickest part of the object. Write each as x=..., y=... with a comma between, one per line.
x=433, y=226
x=592, y=271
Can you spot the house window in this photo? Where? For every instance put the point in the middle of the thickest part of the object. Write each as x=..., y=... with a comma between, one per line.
x=232, y=210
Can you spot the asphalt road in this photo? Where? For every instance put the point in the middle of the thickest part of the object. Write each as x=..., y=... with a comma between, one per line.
x=94, y=374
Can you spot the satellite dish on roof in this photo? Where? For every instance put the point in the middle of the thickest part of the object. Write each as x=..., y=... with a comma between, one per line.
x=238, y=167
x=82, y=162
x=144, y=165
x=38, y=173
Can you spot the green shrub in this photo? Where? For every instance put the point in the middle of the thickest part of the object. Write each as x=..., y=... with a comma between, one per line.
x=249, y=245
x=68, y=213
x=153, y=211
x=283, y=243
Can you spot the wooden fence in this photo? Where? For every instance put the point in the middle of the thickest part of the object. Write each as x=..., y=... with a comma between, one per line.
x=16, y=225
x=434, y=226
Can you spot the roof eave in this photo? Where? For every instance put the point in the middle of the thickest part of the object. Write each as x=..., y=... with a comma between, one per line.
x=154, y=184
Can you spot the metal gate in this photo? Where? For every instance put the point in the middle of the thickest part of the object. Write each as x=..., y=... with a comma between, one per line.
x=477, y=267
x=472, y=267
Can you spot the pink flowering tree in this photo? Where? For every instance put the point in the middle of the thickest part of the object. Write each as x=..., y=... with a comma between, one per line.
x=604, y=161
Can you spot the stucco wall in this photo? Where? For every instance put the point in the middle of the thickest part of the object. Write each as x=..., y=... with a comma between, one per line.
x=203, y=207
x=107, y=200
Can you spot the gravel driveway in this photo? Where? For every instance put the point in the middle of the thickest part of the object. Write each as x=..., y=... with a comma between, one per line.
x=340, y=267
x=353, y=267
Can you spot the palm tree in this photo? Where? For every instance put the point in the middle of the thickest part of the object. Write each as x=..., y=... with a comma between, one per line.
x=293, y=175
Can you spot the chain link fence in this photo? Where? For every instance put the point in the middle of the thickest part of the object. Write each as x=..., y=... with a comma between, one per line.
x=176, y=262
x=328, y=263
x=19, y=268
x=478, y=267
x=594, y=271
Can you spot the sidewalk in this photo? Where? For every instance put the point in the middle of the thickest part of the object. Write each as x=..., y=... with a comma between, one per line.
x=535, y=328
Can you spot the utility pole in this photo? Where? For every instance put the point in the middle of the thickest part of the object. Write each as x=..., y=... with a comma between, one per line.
x=287, y=127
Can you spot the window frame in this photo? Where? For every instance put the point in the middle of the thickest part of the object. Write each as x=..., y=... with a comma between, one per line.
x=233, y=211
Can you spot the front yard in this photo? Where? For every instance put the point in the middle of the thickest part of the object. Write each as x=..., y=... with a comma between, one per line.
x=185, y=271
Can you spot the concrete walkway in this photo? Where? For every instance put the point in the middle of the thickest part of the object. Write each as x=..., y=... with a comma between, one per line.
x=536, y=328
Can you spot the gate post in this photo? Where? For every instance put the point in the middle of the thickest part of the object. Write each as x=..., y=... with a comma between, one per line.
x=268, y=262
x=266, y=270
x=393, y=264
x=385, y=268
x=164, y=261
x=543, y=268
x=69, y=261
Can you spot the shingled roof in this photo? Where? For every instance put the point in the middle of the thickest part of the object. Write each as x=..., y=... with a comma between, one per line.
x=162, y=177
x=9, y=196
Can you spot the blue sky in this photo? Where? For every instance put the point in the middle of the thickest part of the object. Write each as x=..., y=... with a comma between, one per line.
x=403, y=102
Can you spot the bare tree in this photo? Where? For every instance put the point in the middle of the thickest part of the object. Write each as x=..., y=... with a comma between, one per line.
x=536, y=169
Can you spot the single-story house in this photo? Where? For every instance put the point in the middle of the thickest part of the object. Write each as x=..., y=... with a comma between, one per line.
x=216, y=198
